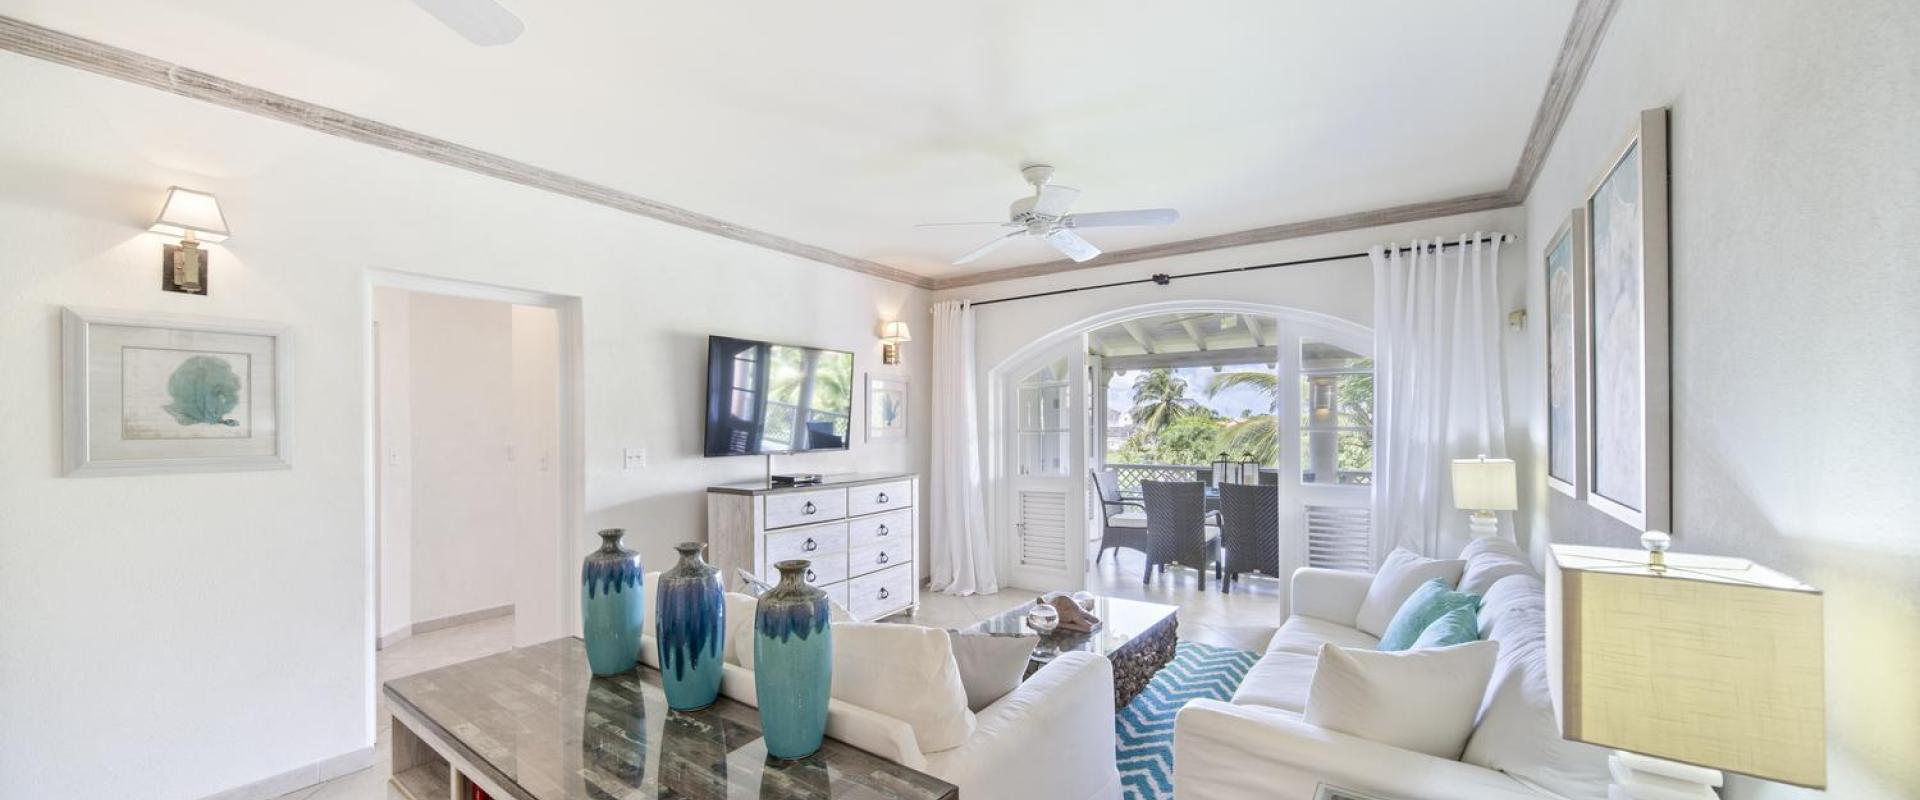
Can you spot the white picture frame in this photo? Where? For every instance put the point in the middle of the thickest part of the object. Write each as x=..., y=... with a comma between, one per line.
x=1565, y=268
x=888, y=407
x=146, y=392
x=1629, y=458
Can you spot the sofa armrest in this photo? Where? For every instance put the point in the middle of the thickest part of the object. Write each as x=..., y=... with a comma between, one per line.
x=1334, y=595
x=1052, y=736
x=1223, y=751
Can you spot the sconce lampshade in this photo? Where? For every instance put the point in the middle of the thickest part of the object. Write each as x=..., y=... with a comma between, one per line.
x=189, y=211
x=895, y=332
x=1484, y=484
x=1711, y=661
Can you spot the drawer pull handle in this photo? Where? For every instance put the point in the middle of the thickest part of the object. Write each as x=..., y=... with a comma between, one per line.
x=882, y=559
x=884, y=593
x=810, y=545
x=810, y=576
x=883, y=497
x=808, y=509
x=882, y=532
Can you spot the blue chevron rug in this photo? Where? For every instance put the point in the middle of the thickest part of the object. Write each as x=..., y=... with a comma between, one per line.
x=1143, y=731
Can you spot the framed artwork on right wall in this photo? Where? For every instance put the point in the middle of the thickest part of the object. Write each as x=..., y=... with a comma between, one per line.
x=1566, y=282
x=1628, y=412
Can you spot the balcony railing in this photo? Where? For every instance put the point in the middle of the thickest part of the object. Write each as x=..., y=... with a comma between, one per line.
x=1132, y=474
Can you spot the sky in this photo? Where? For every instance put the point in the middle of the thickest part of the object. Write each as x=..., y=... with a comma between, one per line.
x=1228, y=403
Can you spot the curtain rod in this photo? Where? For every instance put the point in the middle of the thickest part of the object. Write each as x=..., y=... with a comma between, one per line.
x=1164, y=279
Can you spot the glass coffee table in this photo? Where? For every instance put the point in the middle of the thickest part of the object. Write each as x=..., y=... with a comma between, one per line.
x=1137, y=636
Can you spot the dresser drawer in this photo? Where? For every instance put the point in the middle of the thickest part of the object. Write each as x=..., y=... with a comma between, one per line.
x=875, y=497
x=875, y=595
x=879, y=556
x=825, y=568
x=812, y=543
x=893, y=526
x=805, y=508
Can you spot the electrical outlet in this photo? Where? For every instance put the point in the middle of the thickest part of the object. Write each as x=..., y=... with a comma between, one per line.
x=635, y=458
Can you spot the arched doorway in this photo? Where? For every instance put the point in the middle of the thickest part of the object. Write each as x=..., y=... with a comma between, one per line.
x=1046, y=408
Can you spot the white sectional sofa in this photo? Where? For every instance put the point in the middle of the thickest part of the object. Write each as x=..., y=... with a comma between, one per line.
x=1260, y=746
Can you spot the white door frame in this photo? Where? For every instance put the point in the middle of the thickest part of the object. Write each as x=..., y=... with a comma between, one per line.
x=1002, y=376
x=568, y=548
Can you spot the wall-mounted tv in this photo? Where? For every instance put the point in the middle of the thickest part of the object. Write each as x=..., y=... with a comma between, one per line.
x=776, y=398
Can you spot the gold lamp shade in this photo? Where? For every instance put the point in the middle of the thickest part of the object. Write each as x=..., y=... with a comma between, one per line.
x=1703, y=660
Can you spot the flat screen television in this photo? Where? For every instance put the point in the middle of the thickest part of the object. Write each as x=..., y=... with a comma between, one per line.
x=776, y=398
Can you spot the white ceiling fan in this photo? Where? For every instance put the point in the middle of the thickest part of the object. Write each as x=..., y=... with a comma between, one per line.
x=482, y=22
x=1044, y=215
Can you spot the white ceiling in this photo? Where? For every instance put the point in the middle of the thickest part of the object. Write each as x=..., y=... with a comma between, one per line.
x=842, y=124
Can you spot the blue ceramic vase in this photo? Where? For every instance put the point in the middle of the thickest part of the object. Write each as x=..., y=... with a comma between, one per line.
x=792, y=663
x=611, y=605
x=690, y=625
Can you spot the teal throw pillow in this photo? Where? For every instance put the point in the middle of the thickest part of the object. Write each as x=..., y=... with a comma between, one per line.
x=1458, y=626
x=1429, y=602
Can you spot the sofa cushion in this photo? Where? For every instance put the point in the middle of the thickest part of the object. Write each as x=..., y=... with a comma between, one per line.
x=1428, y=603
x=1454, y=627
x=1278, y=680
x=1304, y=635
x=906, y=672
x=1420, y=700
x=1489, y=559
x=1399, y=576
x=1517, y=732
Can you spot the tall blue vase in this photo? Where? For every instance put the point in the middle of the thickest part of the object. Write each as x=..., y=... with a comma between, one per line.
x=611, y=605
x=792, y=663
x=690, y=625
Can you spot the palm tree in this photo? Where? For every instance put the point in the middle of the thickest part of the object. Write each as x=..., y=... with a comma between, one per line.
x=1159, y=398
x=1258, y=434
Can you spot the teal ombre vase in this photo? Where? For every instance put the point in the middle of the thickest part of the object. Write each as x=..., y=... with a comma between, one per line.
x=792, y=663
x=690, y=626
x=611, y=605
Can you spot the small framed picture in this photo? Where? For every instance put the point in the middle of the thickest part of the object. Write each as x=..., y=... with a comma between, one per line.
x=1566, y=282
x=1628, y=409
x=146, y=392
x=886, y=407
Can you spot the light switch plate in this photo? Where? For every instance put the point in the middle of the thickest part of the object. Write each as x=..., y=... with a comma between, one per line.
x=634, y=458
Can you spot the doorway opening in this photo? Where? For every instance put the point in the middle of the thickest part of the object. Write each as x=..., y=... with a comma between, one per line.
x=1200, y=393
x=475, y=473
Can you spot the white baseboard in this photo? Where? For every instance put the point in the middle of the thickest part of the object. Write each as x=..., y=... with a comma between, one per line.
x=300, y=777
x=424, y=626
x=388, y=639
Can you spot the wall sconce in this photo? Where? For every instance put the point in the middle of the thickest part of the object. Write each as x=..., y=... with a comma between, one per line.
x=194, y=217
x=891, y=335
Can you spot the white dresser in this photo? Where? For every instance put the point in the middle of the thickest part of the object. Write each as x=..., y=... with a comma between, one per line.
x=858, y=530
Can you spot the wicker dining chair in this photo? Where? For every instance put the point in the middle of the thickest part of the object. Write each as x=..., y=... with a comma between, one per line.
x=1177, y=529
x=1119, y=527
x=1250, y=531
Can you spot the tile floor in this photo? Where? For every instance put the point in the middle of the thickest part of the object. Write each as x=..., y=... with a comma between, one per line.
x=1245, y=620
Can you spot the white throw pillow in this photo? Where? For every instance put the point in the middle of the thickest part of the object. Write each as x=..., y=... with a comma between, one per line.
x=906, y=672
x=739, y=640
x=1420, y=700
x=990, y=666
x=1399, y=575
x=1489, y=559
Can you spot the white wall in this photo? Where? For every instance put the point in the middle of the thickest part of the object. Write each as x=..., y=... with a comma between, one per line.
x=173, y=636
x=1796, y=384
x=465, y=509
x=393, y=448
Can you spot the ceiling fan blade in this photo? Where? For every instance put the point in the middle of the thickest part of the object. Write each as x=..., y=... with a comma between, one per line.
x=482, y=22
x=1114, y=219
x=989, y=247
x=954, y=224
x=1054, y=199
x=1071, y=244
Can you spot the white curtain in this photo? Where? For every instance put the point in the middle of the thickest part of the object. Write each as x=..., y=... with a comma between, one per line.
x=1438, y=392
x=962, y=552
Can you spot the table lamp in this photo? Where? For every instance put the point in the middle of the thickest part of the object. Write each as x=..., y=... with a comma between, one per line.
x=1686, y=665
x=1484, y=485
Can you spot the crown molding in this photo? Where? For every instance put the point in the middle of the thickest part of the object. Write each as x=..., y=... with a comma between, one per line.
x=47, y=44
x=1584, y=33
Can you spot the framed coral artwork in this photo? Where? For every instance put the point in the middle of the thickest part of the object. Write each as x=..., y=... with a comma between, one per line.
x=886, y=407
x=149, y=392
